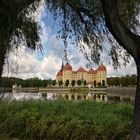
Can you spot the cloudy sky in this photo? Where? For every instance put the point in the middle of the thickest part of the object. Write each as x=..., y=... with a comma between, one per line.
x=25, y=63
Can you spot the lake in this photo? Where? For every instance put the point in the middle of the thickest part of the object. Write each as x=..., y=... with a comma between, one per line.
x=107, y=97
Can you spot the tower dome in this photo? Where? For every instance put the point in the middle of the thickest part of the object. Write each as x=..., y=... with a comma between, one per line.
x=91, y=71
x=68, y=67
x=60, y=73
x=101, y=68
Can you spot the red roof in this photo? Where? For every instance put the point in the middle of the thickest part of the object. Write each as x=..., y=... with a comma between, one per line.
x=60, y=73
x=101, y=68
x=67, y=67
x=91, y=71
x=81, y=70
x=96, y=70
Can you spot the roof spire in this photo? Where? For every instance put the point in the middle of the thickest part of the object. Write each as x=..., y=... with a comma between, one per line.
x=62, y=66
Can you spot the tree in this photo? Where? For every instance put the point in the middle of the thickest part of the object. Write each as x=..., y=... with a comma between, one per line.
x=94, y=21
x=124, y=81
x=49, y=82
x=99, y=84
x=103, y=83
x=44, y=83
x=54, y=82
x=85, y=82
x=67, y=83
x=116, y=81
x=133, y=80
x=94, y=82
x=73, y=83
x=79, y=82
x=60, y=83
x=129, y=42
x=16, y=29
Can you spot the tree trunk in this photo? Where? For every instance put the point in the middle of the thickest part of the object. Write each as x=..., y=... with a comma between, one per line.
x=135, y=131
x=129, y=41
x=2, y=61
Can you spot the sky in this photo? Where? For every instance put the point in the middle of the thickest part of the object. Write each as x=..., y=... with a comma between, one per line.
x=25, y=63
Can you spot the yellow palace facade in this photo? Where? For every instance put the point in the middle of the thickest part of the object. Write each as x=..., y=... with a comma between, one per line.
x=67, y=73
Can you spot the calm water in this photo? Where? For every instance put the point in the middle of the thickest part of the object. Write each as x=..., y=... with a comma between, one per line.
x=27, y=96
x=66, y=95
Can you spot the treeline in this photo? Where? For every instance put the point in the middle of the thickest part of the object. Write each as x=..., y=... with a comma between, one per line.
x=128, y=80
x=7, y=82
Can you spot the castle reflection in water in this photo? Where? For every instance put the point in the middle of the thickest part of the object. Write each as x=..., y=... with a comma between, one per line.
x=74, y=96
x=68, y=96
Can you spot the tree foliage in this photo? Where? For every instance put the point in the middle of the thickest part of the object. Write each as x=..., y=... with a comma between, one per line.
x=73, y=83
x=17, y=27
x=60, y=83
x=103, y=83
x=99, y=84
x=94, y=83
x=85, y=82
x=79, y=82
x=129, y=80
x=8, y=82
x=83, y=22
x=67, y=83
x=54, y=82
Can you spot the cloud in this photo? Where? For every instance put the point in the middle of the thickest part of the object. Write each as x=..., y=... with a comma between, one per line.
x=30, y=66
x=128, y=70
x=55, y=46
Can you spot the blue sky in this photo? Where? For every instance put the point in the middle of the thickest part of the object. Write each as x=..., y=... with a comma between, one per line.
x=30, y=64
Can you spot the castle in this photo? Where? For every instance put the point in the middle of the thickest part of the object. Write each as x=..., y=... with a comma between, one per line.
x=91, y=76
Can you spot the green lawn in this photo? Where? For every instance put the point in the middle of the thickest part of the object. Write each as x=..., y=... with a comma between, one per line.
x=65, y=120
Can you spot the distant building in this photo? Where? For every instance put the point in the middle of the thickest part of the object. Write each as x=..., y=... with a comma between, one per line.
x=91, y=76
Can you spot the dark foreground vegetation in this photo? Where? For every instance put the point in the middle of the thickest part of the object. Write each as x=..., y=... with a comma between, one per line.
x=65, y=120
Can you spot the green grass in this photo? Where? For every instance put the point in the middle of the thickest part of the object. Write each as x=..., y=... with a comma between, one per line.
x=79, y=90
x=65, y=120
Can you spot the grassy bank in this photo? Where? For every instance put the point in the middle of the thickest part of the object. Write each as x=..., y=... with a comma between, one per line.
x=79, y=89
x=65, y=120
